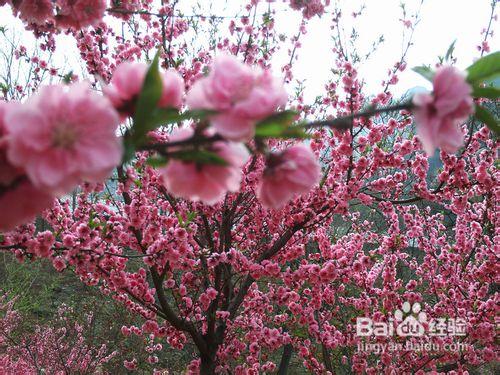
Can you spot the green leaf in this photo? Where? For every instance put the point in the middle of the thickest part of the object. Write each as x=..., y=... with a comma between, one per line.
x=270, y=130
x=191, y=215
x=179, y=219
x=178, y=62
x=484, y=69
x=189, y=218
x=284, y=118
x=159, y=117
x=157, y=161
x=147, y=102
x=296, y=132
x=449, y=53
x=425, y=72
x=487, y=118
x=486, y=92
x=277, y=131
x=164, y=116
x=197, y=114
x=128, y=150
x=104, y=230
x=93, y=224
x=68, y=77
x=279, y=126
x=2, y=237
x=199, y=156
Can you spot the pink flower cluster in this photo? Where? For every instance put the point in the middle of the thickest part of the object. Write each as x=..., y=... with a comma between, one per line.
x=127, y=83
x=440, y=114
x=52, y=142
x=80, y=13
x=207, y=183
x=123, y=9
x=310, y=8
x=33, y=11
x=289, y=173
x=65, y=13
x=61, y=346
x=240, y=95
x=19, y=199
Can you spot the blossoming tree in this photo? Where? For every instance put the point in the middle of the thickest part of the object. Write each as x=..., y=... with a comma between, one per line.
x=60, y=348
x=227, y=214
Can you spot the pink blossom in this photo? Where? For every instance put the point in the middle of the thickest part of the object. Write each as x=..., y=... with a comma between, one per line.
x=440, y=114
x=127, y=82
x=8, y=172
x=406, y=23
x=125, y=331
x=310, y=8
x=205, y=182
x=80, y=13
x=130, y=365
x=59, y=263
x=242, y=96
x=63, y=135
x=35, y=11
x=484, y=46
x=128, y=5
x=211, y=293
x=20, y=201
x=289, y=173
x=282, y=279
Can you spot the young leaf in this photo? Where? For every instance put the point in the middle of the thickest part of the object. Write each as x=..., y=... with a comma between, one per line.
x=279, y=126
x=277, y=131
x=180, y=219
x=128, y=150
x=269, y=130
x=191, y=215
x=485, y=68
x=164, y=116
x=449, y=53
x=68, y=77
x=487, y=118
x=486, y=92
x=425, y=72
x=147, y=102
x=284, y=118
x=157, y=161
x=199, y=156
x=295, y=132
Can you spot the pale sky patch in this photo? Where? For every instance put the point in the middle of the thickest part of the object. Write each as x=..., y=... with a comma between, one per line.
x=442, y=22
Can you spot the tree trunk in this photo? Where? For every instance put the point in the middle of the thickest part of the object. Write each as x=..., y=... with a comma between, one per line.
x=285, y=359
x=207, y=366
x=327, y=361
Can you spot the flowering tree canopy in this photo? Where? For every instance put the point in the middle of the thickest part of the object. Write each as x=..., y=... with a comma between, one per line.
x=193, y=187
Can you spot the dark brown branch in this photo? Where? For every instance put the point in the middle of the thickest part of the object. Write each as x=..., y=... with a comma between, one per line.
x=285, y=359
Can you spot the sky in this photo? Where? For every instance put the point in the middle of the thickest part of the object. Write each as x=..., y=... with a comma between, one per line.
x=442, y=22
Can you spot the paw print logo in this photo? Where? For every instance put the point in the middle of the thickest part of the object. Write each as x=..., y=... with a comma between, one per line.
x=411, y=325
